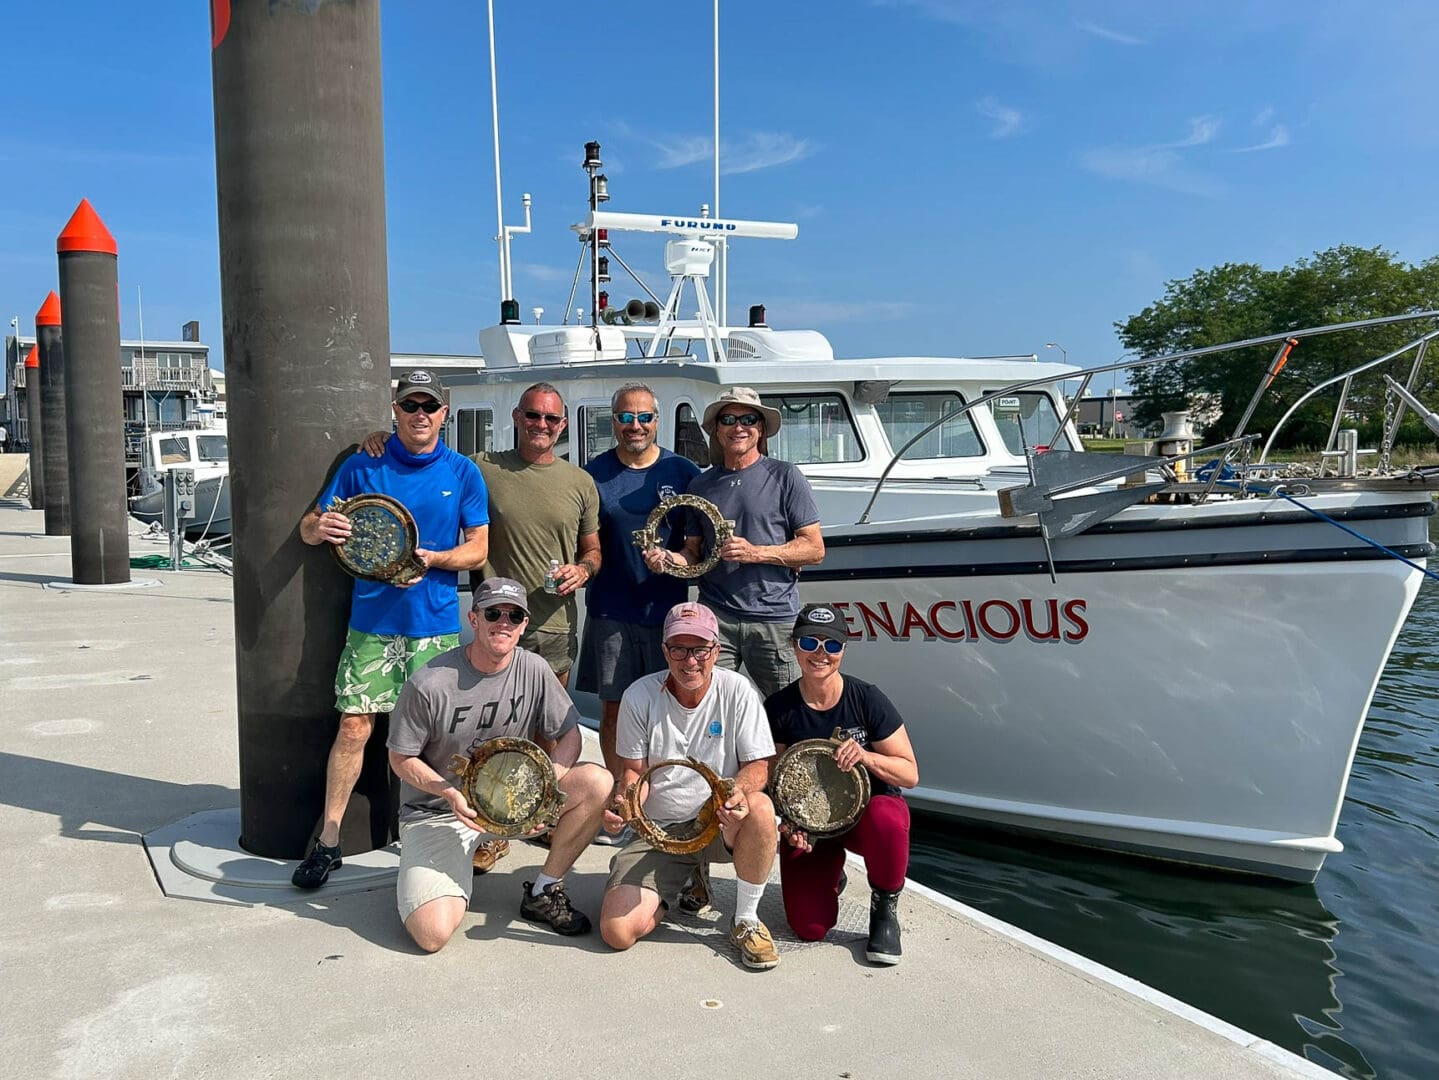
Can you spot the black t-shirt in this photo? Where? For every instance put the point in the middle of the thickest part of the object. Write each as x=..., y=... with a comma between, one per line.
x=862, y=712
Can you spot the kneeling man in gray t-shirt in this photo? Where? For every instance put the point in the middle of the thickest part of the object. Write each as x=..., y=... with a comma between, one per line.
x=459, y=700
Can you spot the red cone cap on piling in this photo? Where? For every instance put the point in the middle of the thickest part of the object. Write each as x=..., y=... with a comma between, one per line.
x=32, y=358
x=49, y=313
x=86, y=232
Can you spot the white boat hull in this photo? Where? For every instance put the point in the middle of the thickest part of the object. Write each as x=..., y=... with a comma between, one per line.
x=1202, y=713
x=212, y=506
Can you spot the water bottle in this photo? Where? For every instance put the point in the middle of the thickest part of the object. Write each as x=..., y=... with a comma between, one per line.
x=552, y=584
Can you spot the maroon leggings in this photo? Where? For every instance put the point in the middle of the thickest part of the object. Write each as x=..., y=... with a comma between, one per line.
x=809, y=879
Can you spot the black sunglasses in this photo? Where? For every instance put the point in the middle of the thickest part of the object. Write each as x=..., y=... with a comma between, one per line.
x=810, y=644
x=514, y=618
x=410, y=405
x=631, y=417
x=547, y=417
x=749, y=419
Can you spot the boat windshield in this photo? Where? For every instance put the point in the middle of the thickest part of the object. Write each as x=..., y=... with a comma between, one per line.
x=214, y=448
x=814, y=429
x=905, y=415
x=174, y=451
x=1041, y=423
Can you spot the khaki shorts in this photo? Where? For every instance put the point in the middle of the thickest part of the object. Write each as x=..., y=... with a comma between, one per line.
x=556, y=647
x=637, y=863
x=435, y=854
x=374, y=667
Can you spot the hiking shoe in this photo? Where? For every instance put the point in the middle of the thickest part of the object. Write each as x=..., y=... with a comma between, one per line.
x=488, y=853
x=695, y=897
x=619, y=839
x=552, y=907
x=756, y=947
x=883, y=945
x=315, y=870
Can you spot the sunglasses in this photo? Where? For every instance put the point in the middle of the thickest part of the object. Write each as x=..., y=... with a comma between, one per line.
x=812, y=644
x=410, y=405
x=749, y=419
x=631, y=417
x=514, y=618
x=684, y=652
x=548, y=417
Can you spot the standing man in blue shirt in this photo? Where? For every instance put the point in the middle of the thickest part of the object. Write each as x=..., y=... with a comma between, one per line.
x=395, y=629
x=626, y=602
x=755, y=588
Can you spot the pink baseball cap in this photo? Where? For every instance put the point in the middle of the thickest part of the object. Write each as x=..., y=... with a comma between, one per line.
x=694, y=619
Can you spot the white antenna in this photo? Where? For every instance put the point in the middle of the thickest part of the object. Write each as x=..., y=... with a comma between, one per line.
x=499, y=196
x=722, y=249
x=144, y=375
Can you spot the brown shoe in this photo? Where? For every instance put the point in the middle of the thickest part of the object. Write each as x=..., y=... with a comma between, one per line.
x=488, y=853
x=756, y=947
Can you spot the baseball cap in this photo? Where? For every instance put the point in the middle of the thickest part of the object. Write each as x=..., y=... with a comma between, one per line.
x=500, y=590
x=821, y=621
x=693, y=619
x=420, y=381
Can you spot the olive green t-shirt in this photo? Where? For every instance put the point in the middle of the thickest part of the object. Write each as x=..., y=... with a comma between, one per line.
x=537, y=513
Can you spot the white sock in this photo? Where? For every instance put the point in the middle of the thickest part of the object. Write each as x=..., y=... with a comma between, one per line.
x=747, y=894
x=541, y=881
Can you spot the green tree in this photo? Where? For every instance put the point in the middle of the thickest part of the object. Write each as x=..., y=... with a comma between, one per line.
x=1235, y=301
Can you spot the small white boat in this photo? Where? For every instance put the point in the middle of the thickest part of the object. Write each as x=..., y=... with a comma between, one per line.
x=206, y=451
x=1169, y=665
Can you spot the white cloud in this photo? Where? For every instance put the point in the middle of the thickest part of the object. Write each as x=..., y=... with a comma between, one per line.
x=1108, y=34
x=1263, y=116
x=1158, y=166
x=1202, y=129
x=750, y=153
x=1007, y=121
x=1278, y=136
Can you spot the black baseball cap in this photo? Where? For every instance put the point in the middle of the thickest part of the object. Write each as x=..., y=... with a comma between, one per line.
x=821, y=621
x=420, y=381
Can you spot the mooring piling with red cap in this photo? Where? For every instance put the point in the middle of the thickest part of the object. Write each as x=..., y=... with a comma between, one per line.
x=55, y=464
x=34, y=429
x=94, y=401
x=299, y=170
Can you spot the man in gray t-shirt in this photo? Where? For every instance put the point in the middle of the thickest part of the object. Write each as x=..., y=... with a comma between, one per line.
x=755, y=587
x=460, y=700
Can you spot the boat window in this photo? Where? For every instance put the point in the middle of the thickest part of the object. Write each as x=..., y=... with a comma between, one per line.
x=596, y=431
x=905, y=415
x=814, y=428
x=1041, y=422
x=474, y=430
x=174, y=451
x=214, y=447
x=690, y=441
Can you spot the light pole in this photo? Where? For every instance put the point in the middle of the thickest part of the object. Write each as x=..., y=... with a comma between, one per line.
x=1064, y=353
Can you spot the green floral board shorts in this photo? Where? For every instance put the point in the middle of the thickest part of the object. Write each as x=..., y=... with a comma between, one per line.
x=373, y=667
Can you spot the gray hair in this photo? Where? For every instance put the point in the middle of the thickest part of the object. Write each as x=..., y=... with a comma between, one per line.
x=633, y=388
x=543, y=388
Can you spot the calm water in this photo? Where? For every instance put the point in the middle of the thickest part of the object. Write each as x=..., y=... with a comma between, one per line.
x=1344, y=971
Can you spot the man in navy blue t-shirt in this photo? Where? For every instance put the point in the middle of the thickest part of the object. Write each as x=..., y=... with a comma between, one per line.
x=396, y=629
x=626, y=603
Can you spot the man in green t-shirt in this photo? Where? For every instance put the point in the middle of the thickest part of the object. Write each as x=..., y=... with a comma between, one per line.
x=543, y=511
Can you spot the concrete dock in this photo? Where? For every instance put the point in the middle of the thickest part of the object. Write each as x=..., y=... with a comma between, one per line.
x=117, y=718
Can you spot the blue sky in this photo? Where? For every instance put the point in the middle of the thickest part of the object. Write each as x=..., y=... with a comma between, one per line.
x=968, y=177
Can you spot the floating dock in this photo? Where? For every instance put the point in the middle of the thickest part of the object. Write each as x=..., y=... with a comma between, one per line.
x=117, y=720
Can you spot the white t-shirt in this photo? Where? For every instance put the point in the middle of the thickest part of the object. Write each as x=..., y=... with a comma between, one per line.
x=725, y=730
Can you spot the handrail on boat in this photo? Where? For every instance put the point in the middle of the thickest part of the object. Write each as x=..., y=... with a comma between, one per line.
x=1125, y=365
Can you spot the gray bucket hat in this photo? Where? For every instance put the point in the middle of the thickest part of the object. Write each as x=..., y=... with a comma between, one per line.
x=741, y=395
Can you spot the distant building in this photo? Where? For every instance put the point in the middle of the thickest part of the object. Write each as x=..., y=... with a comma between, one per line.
x=1109, y=417
x=164, y=385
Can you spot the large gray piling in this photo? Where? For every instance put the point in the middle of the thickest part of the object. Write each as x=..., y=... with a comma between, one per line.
x=299, y=156
x=55, y=442
x=34, y=428
x=94, y=401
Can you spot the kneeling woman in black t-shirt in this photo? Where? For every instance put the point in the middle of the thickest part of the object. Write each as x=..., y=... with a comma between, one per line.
x=812, y=708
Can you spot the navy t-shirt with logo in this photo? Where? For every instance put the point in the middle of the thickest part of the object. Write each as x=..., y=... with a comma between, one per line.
x=863, y=712
x=624, y=589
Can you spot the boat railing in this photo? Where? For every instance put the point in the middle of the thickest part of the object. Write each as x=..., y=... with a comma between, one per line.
x=1238, y=439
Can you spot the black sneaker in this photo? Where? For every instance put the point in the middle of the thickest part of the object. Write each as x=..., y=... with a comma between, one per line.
x=883, y=945
x=552, y=907
x=695, y=897
x=315, y=870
